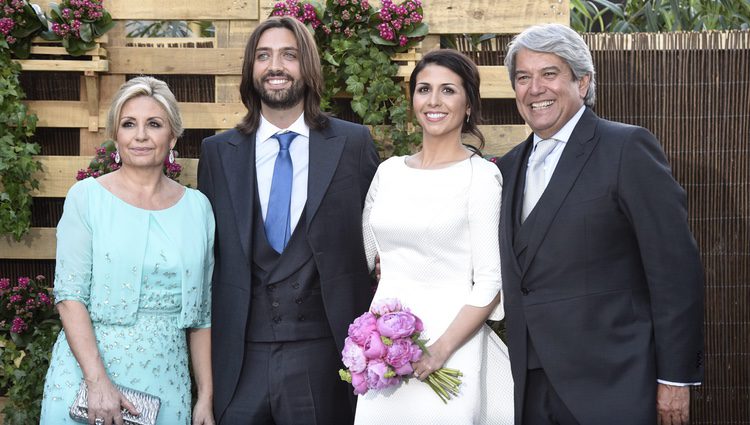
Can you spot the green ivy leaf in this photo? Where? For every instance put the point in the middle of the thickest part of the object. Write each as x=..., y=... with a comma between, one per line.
x=359, y=107
x=328, y=57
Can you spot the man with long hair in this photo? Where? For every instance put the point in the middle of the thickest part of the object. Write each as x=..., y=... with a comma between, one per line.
x=287, y=187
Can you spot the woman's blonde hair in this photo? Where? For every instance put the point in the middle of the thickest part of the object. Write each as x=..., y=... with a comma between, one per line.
x=145, y=86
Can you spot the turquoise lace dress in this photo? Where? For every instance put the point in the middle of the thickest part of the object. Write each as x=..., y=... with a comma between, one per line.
x=149, y=351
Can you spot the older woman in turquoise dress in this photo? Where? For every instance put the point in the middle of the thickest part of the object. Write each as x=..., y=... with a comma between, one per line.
x=132, y=278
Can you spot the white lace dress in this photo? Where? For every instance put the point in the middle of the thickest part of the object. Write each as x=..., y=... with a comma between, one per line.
x=436, y=232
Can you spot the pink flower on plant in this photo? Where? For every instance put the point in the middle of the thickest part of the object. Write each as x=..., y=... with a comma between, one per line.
x=399, y=324
x=353, y=357
x=4, y=283
x=23, y=282
x=14, y=299
x=18, y=326
x=6, y=25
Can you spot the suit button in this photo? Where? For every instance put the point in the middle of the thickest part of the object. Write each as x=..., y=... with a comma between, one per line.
x=298, y=300
x=270, y=288
x=276, y=319
x=525, y=291
x=301, y=317
x=275, y=304
x=295, y=285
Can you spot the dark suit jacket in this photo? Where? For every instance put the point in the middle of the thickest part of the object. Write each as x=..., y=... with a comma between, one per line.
x=611, y=290
x=343, y=160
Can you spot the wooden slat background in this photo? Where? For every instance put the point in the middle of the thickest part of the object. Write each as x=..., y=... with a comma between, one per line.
x=693, y=92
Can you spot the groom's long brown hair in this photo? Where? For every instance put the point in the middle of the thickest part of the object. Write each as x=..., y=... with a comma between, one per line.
x=312, y=76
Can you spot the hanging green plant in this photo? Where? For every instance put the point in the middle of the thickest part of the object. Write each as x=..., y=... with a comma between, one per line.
x=17, y=162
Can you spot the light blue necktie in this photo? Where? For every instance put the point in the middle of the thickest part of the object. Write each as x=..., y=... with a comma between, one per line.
x=278, y=228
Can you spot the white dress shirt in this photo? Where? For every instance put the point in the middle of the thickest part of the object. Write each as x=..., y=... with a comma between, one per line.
x=562, y=136
x=266, y=151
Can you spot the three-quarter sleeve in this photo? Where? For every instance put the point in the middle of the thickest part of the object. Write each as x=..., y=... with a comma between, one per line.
x=484, y=219
x=74, y=247
x=208, y=270
x=371, y=247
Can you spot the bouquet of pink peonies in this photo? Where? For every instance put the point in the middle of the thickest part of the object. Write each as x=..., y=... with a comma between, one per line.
x=381, y=346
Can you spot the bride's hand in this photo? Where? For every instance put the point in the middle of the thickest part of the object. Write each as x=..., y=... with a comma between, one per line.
x=431, y=362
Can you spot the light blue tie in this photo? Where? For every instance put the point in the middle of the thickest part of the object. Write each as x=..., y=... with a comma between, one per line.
x=278, y=228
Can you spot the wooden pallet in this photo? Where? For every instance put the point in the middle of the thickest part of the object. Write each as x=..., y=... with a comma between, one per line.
x=52, y=56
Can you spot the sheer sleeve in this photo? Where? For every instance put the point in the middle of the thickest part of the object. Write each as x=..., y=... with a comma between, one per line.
x=371, y=247
x=74, y=248
x=484, y=220
x=208, y=267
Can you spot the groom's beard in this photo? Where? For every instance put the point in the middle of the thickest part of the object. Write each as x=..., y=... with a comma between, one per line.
x=280, y=99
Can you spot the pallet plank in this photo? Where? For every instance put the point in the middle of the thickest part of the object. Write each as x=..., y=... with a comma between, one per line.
x=178, y=60
x=490, y=16
x=39, y=244
x=59, y=173
x=180, y=10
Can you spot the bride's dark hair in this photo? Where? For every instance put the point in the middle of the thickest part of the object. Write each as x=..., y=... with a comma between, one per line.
x=469, y=74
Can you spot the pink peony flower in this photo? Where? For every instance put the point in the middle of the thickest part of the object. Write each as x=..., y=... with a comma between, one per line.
x=359, y=382
x=362, y=327
x=385, y=305
x=379, y=375
x=374, y=347
x=353, y=356
x=401, y=354
x=398, y=325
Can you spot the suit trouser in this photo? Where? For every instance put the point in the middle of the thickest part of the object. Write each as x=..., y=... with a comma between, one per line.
x=541, y=403
x=290, y=383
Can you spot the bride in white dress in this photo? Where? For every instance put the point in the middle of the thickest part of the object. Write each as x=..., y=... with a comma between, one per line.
x=433, y=220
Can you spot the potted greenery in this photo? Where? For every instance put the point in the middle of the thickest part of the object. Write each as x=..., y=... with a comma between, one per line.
x=77, y=23
x=20, y=22
x=29, y=327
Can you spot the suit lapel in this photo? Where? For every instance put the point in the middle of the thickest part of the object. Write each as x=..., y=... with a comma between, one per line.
x=577, y=152
x=508, y=212
x=325, y=152
x=238, y=158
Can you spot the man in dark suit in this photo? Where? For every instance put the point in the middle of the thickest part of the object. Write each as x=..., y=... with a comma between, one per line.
x=287, y=188
x=602, y=278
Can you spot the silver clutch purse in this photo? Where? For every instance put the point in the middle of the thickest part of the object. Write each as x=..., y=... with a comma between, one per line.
x=147, y=404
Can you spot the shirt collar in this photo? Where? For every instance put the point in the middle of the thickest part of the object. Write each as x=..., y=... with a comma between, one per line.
x=266, y=130
x=563, y=135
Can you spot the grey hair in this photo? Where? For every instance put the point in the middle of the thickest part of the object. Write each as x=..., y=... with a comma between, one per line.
x=145, y=86
x=561, y=41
